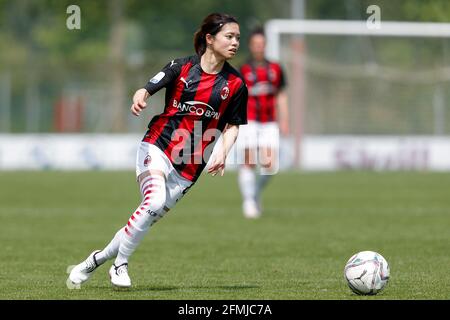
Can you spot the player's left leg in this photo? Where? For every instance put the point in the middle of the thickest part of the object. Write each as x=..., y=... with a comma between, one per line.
x=268, y=156
x=268, y=167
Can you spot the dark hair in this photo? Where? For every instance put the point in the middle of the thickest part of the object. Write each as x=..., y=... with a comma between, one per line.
x=256, y=31
x=212, y=24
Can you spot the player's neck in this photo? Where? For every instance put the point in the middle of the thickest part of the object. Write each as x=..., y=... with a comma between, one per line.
x=210, y=63
x=259, y=60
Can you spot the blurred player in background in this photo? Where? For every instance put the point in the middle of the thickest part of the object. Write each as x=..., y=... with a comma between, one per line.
x=259, y=139
x=205, y=99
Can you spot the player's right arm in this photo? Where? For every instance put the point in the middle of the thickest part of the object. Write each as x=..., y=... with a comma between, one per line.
x=167, y=75
x=139, y=98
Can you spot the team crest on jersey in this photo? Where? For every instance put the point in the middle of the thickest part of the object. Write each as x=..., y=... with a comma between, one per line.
x=147, y=160
x=224, y=93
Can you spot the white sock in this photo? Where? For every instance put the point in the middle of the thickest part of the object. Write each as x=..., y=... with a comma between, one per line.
x=111, y=250
x=247, y=183
x=262, y=182
x=150, y=210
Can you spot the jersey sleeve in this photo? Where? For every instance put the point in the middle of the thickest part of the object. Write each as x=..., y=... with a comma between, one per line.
x=163, y=78
x=238, y=107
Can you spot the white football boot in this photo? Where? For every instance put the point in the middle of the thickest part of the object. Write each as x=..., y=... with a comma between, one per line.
x=251, y=210
x=119, y=276
x=83, y=271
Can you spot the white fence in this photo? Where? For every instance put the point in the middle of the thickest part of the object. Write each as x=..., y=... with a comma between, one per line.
x=118, y=152
x=376, y=153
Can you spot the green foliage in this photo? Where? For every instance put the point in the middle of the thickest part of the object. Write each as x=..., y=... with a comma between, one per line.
x=160, y=26
x=35, y=39
x=398, y=10
x=40, y=26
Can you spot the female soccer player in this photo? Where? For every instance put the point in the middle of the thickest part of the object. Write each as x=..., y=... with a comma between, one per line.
x=205, y=97
x=259, y=140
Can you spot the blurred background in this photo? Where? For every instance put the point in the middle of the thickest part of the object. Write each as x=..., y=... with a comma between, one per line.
x=369, y=120
x=370, y=102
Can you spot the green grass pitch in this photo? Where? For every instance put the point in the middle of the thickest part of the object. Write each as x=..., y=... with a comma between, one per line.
x=205, y=249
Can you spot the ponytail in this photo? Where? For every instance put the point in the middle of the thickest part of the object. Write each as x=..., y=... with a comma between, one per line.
x=199, y=42
x=212, y=24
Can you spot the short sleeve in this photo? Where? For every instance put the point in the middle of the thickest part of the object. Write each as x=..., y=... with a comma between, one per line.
x=167, y=75
x=238, y=107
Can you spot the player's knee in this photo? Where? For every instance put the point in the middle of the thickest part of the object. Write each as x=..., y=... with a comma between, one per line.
x=157, y=203
x=249, y=166
x=154, y=198
x=150, y=211
x=269, y=168
x=154, y=202
x=268, y=160
x=268, y=164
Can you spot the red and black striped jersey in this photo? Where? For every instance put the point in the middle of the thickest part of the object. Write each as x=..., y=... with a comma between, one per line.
x=198, y=106
x=264, y=82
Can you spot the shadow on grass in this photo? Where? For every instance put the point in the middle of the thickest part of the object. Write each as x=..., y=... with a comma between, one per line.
x=228, y=288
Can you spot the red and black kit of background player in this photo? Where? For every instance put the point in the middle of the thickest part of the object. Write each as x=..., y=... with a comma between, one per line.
x=264, y=81
x=195, y=102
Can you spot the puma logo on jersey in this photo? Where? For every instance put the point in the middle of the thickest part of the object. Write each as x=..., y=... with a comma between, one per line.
x=186, y=82
x=172, y=63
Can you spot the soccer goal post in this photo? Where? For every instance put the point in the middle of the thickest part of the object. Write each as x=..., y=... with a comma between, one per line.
x=350, y=78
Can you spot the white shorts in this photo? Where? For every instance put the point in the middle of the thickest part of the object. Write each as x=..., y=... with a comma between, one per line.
x=150, y=157
x=258, y=134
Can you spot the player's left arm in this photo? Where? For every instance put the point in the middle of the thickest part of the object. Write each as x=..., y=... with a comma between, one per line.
x=235, y=117
x=282, y=104
x=229, y=137
x=283, y=112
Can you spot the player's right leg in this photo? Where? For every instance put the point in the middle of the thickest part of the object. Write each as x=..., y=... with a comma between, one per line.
x=83, y=271
x=150, y=210
x=247, y=148
x=247, y=185
x=151, y=167
x=126, y=240
x=155, y=205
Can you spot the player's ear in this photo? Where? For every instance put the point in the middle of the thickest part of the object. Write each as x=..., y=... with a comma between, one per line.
x=209, y=39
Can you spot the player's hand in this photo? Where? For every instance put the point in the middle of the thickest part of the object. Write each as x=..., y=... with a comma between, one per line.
x=139, y=103
x=217, y=165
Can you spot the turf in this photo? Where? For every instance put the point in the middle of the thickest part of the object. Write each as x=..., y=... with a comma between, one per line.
x=205, y=249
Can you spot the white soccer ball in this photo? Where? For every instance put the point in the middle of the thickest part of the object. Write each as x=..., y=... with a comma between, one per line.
x=367, y=273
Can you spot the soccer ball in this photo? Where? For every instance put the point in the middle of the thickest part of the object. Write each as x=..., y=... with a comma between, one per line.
x=367, y=273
